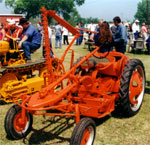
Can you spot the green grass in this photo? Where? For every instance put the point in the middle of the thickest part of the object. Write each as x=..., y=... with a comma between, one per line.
x=110, y=130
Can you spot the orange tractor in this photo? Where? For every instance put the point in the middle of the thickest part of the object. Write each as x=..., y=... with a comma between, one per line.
x=92, y=88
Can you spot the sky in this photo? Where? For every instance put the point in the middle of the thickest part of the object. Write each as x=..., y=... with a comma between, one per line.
x=101, y=9
x=108, y=9
x=3, y=9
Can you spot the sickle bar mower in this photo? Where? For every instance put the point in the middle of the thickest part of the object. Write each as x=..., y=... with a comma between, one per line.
x=95, y=87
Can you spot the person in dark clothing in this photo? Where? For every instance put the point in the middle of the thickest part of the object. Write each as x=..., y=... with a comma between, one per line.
x=31, y=38
x=77, y=40
x=81, y=32
x=120, y=36
x=113, y=30
x=103, y=38
x=148, y=44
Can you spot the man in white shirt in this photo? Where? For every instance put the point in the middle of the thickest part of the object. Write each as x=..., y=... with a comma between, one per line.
x=65, y=36
x=136, y=29
x=91, y=28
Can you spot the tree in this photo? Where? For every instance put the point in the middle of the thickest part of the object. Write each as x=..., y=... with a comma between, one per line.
x=95, y=20
x=141, y=13
x=74, y=17
x=32, y=7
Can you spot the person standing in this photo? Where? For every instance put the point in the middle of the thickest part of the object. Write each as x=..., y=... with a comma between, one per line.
x=113, y=30
x=82, y=33
x=148, y=44
x=144, y=31
x=130, y=38
x=120, y=36
x=58, y=35
x=40, y=27
x=136, y=29
x=31, y=38
x=78, y=39
x=2, y=32
x=91, y=27
x=97, y=29
x=65, y=36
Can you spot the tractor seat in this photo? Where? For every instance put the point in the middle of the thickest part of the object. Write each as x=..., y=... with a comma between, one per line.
x=108, y=66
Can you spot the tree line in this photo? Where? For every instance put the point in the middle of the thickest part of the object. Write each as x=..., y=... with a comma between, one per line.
x=141, y=13
x=65, y=8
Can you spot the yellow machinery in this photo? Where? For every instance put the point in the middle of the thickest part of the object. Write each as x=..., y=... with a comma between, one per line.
x=16, y=76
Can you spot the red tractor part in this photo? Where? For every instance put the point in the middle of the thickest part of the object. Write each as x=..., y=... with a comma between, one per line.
x=95, y=86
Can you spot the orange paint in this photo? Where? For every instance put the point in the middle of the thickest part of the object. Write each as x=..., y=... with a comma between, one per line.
x=90, y=93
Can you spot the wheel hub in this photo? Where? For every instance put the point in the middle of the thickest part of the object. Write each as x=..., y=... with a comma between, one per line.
x=88, y=136
x=19, y=125
x=136, y=87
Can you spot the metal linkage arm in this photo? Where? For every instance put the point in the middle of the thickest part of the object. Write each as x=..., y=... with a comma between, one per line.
x=65, y=24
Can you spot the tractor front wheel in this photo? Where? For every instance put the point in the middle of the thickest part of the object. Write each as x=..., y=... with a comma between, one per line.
x=132, y=87
x=84, y=132
x=14, y=126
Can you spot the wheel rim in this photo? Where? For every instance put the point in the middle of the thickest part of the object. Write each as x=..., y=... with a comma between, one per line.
x=136, y=88
x=19, y=126
x=88, y=136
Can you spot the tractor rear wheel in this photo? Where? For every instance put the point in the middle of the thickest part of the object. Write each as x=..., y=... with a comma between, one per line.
x=132, y=86
x=14, y=127
x=84, y=132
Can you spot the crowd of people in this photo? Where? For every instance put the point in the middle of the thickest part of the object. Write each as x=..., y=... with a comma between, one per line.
x=109, y=37
x=105, y=36
x=120, y=33
x=116, y=36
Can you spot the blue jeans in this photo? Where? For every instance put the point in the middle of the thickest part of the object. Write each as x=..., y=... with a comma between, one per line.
x=80, y=40
x=51, y=53
x=50, y=42
x=77, y=41
x=58, y=38
x=136, y=35
x=28, y=48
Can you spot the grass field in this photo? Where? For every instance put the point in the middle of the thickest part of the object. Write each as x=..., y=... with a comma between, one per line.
x=111, y=130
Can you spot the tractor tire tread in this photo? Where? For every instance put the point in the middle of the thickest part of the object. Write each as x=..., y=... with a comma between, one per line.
x=79, y=130
x=8, y=124
x=124, y=86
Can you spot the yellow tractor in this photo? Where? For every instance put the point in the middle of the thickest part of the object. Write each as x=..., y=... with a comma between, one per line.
x=17, y=76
